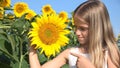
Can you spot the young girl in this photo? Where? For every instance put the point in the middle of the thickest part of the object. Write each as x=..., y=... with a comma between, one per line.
x=98, y=48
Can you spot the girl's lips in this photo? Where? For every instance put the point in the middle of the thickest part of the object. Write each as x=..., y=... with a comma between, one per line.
x=80, y=38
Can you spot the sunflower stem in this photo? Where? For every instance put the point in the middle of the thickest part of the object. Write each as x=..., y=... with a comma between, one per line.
x=11, y=39
x=21, y=57
x=20, y=61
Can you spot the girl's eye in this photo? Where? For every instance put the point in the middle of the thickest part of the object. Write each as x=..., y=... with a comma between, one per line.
x=81, y=29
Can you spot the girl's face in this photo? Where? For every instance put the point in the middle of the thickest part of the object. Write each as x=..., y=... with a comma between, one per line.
x=81, y=30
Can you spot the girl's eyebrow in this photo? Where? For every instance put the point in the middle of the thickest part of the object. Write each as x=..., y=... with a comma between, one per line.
x=80, y=26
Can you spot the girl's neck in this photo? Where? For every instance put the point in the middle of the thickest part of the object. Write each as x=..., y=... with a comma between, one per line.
x=83, y=48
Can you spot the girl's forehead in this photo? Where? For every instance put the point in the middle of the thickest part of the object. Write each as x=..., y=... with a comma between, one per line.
x=79, y=20
x=81, y=24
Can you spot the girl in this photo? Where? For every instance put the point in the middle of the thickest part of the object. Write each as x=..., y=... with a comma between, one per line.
x=98, y=48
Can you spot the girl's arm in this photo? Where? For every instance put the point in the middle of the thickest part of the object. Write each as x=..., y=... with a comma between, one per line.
x=57, y=62
x=33, y=58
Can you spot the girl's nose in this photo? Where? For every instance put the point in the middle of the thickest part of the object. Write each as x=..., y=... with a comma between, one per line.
x=78, y=32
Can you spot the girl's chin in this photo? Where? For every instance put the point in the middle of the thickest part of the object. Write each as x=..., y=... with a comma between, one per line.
x=82, y=42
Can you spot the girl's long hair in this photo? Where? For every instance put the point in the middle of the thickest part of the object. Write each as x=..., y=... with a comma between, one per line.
x=100, y=32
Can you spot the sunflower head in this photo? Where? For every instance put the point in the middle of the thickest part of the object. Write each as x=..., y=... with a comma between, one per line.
x=49, y=34
x=30, y=14
x=1, y=12
x=20, y=8
x=47, y=9
x=1, y=15
x=63, y=15
x=5, y=3
x=1, y=9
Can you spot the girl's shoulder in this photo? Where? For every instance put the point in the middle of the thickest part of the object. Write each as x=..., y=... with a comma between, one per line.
x=71, y=49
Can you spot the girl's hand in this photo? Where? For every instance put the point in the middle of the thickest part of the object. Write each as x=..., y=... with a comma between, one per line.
x=82, y=62
x=31, y=48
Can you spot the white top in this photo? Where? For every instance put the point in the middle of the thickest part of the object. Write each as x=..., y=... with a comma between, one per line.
x=73, y=59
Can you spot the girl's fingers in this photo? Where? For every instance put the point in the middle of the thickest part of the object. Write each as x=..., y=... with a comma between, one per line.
x=75, y=54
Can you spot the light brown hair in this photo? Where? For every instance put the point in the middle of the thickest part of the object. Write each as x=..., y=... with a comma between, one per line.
x=101, y=36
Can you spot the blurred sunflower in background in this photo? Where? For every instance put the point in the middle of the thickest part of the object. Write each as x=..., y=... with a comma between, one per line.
x=20, y=8
x=30, y=14
x=47, y=9
x=5, y=3
x=1, y=12
x=63, y=15
x=49, y=33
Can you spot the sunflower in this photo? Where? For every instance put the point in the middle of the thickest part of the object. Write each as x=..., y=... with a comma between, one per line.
x=67, y=20
x=30, y=14
x=47, y=9
x=20, y=8
x=1, y=12
x=49, y=34
x=63, y=15
x=1, y=9
x=1, y=15
x=5, y=3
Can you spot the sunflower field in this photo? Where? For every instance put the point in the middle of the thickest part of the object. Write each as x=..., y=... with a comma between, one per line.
x=50, y=31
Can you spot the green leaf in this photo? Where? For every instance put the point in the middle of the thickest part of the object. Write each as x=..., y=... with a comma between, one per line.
x=24, y=64
x=4, y=26
x=14, y=64
x=3, y=65
x=3, y=37
x=65, y=66
x=42, y=58
x=2, y=32
x=4, y=60
x=4, y=50
x=0, y=22
x=12, y=41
